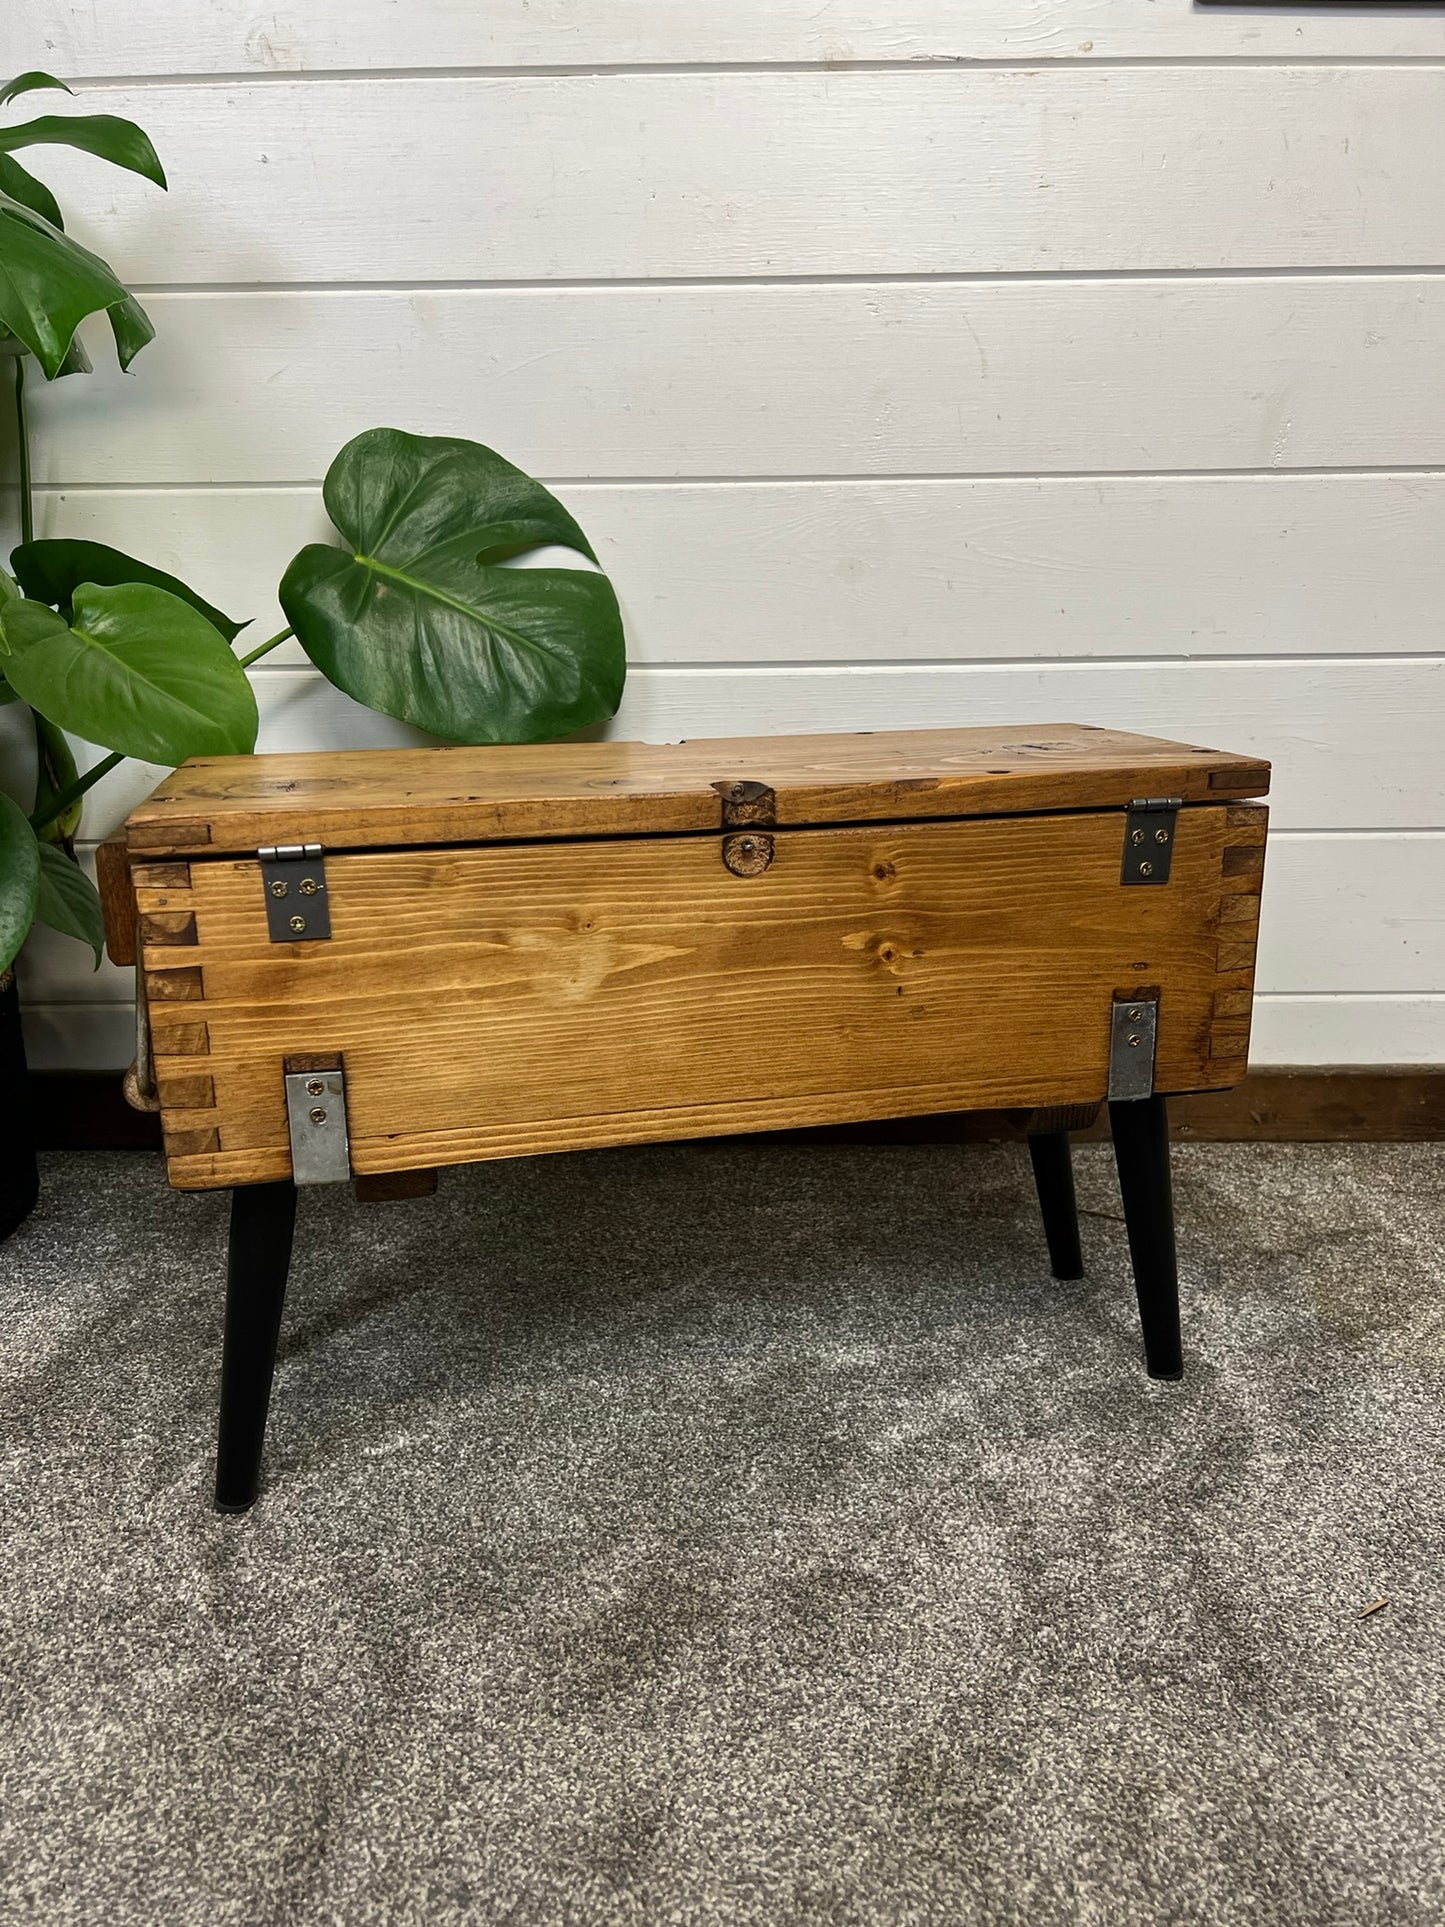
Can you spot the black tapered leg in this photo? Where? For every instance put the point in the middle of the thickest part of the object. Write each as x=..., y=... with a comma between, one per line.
x=1054, y=1177
x=1141, y=1151
x=263, y=1217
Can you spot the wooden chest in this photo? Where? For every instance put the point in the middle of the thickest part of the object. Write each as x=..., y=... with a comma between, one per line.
x=384, y=961
x=536, y=949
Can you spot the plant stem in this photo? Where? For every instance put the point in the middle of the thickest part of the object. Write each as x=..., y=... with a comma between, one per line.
x=72, y=793
x=22, y=432
x=265, y=648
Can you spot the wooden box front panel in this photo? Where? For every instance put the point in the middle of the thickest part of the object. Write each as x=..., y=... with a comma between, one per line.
x=506, y=999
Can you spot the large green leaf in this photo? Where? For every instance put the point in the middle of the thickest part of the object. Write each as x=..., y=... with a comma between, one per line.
x=76, y=362
x=418, y=621
x=52, y=570
x=19, y=878
x=132, y=328
x=21, y=185
x=136, y=670
x=67, y=900
x=48, y=284
x=106, y=136
x=28, y=84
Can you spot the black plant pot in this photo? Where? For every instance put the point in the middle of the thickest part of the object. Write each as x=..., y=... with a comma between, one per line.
x=19, y=1178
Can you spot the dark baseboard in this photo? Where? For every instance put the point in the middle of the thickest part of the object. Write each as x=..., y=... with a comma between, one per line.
x=86, y=1110
x=1399, y=1104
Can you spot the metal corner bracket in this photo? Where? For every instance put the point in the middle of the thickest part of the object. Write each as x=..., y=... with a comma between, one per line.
x=1133, y=1037
x=316, y=1118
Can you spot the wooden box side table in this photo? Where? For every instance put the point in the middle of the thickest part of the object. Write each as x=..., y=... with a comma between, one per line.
x=369, y=964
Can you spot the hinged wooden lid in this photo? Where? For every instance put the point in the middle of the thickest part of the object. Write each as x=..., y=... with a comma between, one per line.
x=358, y=799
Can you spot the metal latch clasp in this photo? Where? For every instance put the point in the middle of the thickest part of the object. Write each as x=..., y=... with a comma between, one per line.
x=752, y=808
x=1149, y=831
x=293, y=876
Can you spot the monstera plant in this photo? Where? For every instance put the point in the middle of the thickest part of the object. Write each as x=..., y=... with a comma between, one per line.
x=419, y=613
x=417, y=617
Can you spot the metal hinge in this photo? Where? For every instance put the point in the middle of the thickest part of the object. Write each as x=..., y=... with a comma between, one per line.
x=1149, y=838
x=293, y=876
x=316, y=1117
x=1132, y=1038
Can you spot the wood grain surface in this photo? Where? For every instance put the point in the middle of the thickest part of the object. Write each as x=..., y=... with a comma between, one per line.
x=347, y=799
x=117, y=898
x=495, y=1001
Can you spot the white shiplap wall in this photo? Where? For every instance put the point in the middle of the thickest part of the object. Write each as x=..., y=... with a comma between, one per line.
x=1011, y=361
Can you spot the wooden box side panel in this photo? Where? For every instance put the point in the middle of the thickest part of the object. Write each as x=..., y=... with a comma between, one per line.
x=117, y=898
x=501, y=1000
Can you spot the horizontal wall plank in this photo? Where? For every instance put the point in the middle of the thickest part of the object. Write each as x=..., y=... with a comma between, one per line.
x=234, y=37
x=870, y=379
x=860, y=571
x=1287, y=1030
x=631, y=176
x=1348, y=1030
x=1353, y=913
x=1354, y=744
x=1342, y=913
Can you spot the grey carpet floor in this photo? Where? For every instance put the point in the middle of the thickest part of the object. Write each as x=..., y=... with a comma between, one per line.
x=732, y=1534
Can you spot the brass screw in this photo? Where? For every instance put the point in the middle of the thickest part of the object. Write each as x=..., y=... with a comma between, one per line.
x=1135, y=1041
x=298, y=923
x=318, y=1116
x=1160, y=836
x=315, y=1087
x=1135, y=1014
x=278, y=889
x=1136, y=837
x=309, y=886
x=1146, y=869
